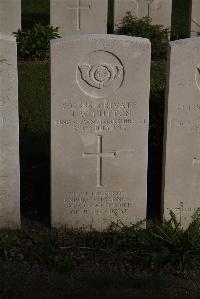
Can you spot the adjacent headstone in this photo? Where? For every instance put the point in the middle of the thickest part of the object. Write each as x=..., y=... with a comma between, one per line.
x=181, y=170
x=10, y=16
x=100, y=100
x=195, y=18
x=158, y=10
x=79, y=16
x=9, y=135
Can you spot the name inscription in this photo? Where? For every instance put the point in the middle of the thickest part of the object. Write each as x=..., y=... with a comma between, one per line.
x=96, y=117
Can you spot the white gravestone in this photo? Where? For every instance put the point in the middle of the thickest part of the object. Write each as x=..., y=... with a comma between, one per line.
x=195, y=18
x=100, y=104
x=181, y=170
x=75, y=17
x=10, y=16
x=9, y=135
x=158, y=10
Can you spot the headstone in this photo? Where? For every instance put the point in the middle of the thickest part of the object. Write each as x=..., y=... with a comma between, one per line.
x=9, y=135
x=181, y=187
x=10, y=16
x=158, y=10
x=195, y=18
x=100, y=95
x=75, y=17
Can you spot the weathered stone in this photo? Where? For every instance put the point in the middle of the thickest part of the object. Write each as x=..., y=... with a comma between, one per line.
x=195, y=18
x=9, y=135
x=181, y=170
x=158, y=10
x=10, y=16
x=79, y=16
x=100, y=96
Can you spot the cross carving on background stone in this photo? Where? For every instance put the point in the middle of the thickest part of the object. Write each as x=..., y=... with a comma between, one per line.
x=99, y=156
x=149, y=4
x=78, y=9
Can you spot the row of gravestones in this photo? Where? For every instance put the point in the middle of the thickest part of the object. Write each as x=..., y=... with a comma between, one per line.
x=99, y=131
x=90, y=16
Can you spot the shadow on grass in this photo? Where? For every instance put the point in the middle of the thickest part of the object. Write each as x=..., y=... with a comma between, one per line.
x=47, y=284
x=35, y=178
x=28, y=20
x=34, y=114
x=181, y=10
x=35, y=11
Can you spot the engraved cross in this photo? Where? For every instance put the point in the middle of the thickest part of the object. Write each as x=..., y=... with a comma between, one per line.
x=99, y=156
x=78, y=9
x=149, y=2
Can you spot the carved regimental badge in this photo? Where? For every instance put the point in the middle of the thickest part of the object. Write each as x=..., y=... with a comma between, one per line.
x=197, y=77
x=100, y=74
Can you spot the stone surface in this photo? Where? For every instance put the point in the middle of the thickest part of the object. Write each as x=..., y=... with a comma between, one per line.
x=181, y=170
x=100, y=101
x=9, y=135
x=10, y=16
x=79, y=16
x=195, y=18
x=158, y=10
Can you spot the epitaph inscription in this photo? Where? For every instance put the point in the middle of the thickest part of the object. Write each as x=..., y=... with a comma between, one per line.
x=116, y=203
x=99, y=130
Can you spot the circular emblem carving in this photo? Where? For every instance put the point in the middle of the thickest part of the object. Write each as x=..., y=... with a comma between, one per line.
x=100, y=74
x=197, y=77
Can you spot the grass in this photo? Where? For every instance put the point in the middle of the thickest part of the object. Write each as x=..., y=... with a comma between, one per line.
x=45, y=285
x=123, y=262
